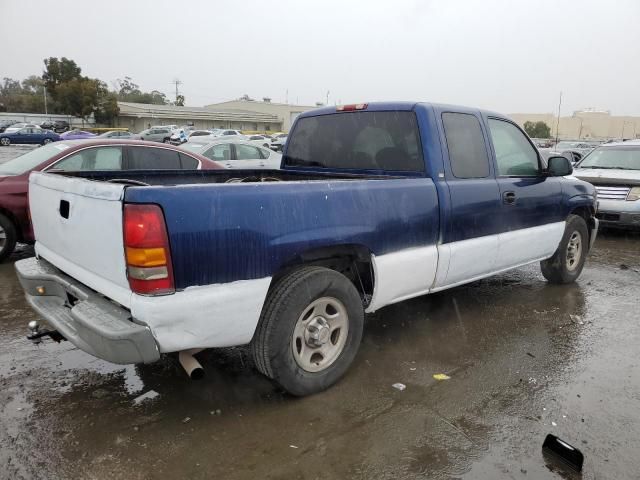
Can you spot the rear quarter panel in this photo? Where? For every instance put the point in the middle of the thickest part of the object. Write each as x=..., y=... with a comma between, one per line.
x=223, y=233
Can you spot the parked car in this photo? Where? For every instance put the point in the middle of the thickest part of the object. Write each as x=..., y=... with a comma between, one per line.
x=117, y=134
x=170, y=127
x=261, y=140
x=18, y=126
x=61, y=126
x=76, y=155
x=154, y=135
x=233, y=153
x=28, y=135
x=181, y=136
x=378, y=203
x=574, y=151
x=4, y=124
x=614, y=170
x=77, y=135
x=278, y=142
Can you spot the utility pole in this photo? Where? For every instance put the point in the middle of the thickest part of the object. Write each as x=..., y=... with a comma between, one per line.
x=45, y=99
x=558, y=121
x=327, y=102
x=177, y=82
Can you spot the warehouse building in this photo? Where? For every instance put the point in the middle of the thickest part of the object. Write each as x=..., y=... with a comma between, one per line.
x=138, y=116
x=585, y=125
x=285, y=112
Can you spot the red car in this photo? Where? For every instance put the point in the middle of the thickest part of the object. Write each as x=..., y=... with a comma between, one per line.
x=78, y=155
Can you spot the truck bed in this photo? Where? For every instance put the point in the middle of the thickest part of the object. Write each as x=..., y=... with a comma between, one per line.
x=186, y=177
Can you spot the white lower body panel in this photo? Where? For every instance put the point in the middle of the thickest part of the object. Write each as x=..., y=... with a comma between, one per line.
x=402, y=275
x=221, y=315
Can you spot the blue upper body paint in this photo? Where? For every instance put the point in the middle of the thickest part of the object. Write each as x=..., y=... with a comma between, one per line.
x=225, y=232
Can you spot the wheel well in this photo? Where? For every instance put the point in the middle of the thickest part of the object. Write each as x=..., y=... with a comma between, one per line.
x=588, y=214
x=15, y=222
x=353, y=261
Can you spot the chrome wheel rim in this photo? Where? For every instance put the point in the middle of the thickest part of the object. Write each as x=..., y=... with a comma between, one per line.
x=3, y=238
x=320, y=334
x=574, y=251
x=46, y=140
x=4, y=141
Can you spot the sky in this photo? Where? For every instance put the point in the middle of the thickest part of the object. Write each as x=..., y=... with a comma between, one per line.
x=511, y=56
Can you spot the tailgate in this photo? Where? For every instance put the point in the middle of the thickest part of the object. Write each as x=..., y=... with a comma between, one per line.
x=78, y=228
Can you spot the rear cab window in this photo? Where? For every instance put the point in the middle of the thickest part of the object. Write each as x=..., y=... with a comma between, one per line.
x=357, y=141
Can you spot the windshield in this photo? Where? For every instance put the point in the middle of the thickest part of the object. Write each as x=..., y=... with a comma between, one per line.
x=623, y=158
x=31, y=160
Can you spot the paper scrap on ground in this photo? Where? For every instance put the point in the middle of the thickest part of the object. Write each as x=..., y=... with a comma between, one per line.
x=399, y=386
x=441, y=376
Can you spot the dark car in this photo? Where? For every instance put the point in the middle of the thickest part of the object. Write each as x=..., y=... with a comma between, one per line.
x=71, y=156
x=29, y=135
x=4, y=124
x=60, y=126
x=47, y=125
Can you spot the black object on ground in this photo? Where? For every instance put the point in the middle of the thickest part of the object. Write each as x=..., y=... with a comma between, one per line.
x=560, y=449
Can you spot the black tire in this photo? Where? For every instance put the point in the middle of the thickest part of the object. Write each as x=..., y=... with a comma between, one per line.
x=7, y=244
x=166, y=140
x=46, y=141
x=272, y=345
x=5, y=141
x=559, y=269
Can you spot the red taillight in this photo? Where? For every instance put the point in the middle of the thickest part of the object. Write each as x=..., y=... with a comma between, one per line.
x=352, y=107
x=147, y=250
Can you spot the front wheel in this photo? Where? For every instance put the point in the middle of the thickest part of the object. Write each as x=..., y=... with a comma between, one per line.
x=46, y=141
x=8, y=237
x=309, y=331
x=567, y=263
x=5, y=142
x=166, y=140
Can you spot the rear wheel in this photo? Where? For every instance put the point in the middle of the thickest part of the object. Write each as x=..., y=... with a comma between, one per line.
x=8, y=237
x=166, y=140
x=309, y=331
x=567, y=263
x=4, y=141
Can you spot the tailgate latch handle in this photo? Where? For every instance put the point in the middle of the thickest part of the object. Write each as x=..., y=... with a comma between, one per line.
x=64, y=208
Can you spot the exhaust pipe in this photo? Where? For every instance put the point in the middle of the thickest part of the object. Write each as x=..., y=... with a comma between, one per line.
x=190, y=364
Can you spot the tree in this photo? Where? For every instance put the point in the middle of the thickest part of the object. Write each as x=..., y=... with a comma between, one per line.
x=78, y=97
x=537, y=129
x=58, y=72
x=128, y=91
x=107, y=105
x=180, y=101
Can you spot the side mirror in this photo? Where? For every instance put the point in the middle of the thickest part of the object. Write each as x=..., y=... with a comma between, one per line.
x=559, y=167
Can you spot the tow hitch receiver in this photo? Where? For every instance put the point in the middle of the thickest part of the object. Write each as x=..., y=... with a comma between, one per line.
x=36, y=334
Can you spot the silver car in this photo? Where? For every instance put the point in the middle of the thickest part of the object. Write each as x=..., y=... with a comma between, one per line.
x=234, y=153
x=156, y=134
x=614, y=169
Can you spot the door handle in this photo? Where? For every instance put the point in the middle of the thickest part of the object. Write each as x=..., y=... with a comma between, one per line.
x=509, y=198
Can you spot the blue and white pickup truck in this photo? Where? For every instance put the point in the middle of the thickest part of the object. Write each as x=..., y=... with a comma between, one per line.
x=374, y=204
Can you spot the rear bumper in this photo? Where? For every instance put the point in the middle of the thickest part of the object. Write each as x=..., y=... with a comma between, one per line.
x=88, y=320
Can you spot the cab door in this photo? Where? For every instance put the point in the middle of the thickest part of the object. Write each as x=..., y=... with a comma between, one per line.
x=531, y=202
x=470, y=236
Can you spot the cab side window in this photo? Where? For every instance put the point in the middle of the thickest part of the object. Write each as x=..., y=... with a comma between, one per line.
x=515, y=155
x=465, y=142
